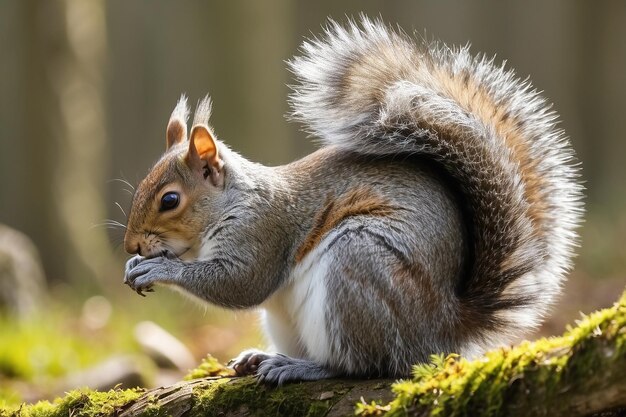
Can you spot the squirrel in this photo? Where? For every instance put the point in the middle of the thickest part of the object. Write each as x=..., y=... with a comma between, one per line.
x=439, y=216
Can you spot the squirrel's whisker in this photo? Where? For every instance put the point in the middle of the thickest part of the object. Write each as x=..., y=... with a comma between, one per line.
x=121, y=209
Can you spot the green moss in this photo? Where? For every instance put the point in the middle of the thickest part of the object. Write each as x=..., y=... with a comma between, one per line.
x=78, y=403
x=245, y=393
x=209, y=367
x=374, y=408
x=454, y=386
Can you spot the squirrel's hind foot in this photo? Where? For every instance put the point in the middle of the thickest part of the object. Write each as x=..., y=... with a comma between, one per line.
x=277, y=369
x=248, y=361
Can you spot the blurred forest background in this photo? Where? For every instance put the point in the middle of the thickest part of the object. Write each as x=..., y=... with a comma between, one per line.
x=87, y=87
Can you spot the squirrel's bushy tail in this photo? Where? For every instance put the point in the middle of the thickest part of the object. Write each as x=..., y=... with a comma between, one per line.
x=373, y=90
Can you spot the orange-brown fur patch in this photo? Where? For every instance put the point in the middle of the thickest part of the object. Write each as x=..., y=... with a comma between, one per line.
x=357, y=202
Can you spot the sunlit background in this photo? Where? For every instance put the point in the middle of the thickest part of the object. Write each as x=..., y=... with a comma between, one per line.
x=86, y=89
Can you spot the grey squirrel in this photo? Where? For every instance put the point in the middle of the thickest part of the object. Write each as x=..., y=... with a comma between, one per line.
x=438, y=216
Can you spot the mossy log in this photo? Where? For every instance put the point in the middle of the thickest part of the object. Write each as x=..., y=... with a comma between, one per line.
x=581, y=373
x=244, y=397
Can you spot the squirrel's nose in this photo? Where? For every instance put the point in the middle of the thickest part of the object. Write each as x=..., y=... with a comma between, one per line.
x=132, y=247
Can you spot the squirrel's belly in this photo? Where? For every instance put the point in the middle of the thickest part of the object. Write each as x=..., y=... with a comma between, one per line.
x=295, y=316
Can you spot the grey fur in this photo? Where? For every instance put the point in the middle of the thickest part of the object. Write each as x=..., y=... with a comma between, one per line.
x=463, y=253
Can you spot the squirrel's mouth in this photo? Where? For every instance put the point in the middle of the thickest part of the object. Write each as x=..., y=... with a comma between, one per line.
x=172, y=248
x=168, y=253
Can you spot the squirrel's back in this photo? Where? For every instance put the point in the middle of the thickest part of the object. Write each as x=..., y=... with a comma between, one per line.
x=374, y=91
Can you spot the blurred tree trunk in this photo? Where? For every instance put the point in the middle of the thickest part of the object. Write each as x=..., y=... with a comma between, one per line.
x=79, y=90
x=251, y=42
x=62, y=147
x=601, y=88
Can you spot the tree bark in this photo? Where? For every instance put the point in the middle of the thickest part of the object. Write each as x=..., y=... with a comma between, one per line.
x=234, y=397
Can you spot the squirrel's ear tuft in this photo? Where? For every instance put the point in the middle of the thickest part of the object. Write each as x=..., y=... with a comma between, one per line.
x=176, y=131
x=203, y=111
x=203, y=155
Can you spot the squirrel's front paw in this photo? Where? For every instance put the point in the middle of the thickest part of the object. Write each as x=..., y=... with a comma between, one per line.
x=130, y=264
x=142, y=274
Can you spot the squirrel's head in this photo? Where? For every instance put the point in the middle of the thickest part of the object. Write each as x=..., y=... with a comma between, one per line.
x=164, y=215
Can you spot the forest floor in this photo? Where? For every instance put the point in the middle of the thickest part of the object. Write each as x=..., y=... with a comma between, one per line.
x=54, y=351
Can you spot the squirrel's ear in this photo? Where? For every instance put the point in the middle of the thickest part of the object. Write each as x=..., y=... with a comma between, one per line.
x=176, y=131
x=203, y=155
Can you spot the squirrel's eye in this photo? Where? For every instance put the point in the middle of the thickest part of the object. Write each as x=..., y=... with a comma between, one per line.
x=169, y=201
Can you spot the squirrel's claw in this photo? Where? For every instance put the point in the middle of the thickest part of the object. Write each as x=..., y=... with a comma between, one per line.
x=140, y=290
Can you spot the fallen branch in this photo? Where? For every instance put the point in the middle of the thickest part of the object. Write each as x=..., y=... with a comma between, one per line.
x=244, y=397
